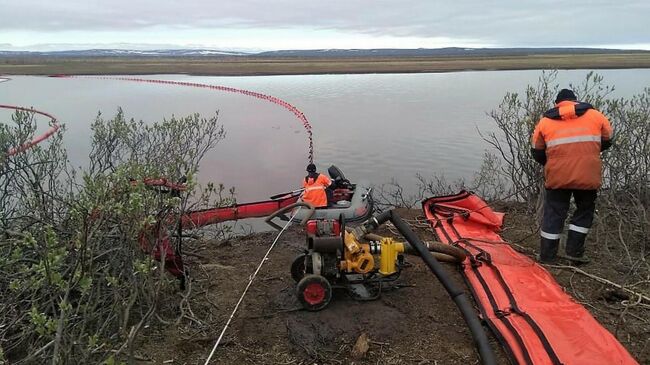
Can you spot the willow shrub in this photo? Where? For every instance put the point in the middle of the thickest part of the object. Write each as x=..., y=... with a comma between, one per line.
x=622, y=225
x=75, y=287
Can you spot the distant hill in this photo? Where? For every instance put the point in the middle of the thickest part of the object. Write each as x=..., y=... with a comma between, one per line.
x=125, y=53
x=438, y=52
x=320, y=53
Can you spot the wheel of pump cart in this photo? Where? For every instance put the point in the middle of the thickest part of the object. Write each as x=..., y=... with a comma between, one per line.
x=298, y=268
x=314, y=292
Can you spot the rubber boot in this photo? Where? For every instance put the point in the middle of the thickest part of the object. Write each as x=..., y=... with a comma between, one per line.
x=575, y=247
x=548, y=250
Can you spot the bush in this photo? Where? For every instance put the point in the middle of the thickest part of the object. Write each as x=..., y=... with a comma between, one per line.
x=75, y=285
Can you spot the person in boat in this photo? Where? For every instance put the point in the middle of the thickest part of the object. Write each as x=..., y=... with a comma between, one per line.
x=568, y=141
x=315, y=185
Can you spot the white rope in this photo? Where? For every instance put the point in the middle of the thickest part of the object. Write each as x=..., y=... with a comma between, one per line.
x=251, y=278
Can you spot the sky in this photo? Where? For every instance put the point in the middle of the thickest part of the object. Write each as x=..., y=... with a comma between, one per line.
x=256, y=25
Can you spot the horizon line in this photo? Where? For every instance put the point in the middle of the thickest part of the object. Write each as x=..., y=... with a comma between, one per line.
x=163, y=47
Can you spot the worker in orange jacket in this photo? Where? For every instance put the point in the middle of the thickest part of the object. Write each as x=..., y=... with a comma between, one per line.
x=315, y=186
x=568, y=141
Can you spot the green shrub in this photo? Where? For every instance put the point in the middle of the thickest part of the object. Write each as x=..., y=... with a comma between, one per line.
x=75, y=285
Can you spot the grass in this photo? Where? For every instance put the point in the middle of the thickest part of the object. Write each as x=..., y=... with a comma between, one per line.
x=241, y=66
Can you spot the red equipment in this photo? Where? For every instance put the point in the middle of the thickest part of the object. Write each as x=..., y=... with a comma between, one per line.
x=155, y=239
x=531, y=315
x=201, y=218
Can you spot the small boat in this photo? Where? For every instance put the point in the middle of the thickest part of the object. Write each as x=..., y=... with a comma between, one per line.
x=352, y=202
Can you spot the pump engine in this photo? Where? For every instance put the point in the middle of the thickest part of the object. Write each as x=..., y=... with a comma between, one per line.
x=336, y=258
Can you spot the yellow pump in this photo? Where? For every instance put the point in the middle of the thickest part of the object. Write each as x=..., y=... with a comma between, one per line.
x=390, y=249
x=357, y=256
x=353, y=258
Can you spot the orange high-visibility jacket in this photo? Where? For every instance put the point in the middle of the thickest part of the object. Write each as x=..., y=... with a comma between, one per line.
x=572, y=135
x=315, y=190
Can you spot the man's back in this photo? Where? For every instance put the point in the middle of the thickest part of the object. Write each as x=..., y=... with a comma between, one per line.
x=571, y=135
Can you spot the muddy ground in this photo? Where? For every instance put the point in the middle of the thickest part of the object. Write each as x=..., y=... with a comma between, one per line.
x=415, y=324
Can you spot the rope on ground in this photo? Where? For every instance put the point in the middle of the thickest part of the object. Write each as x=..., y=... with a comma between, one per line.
x=250, y=281
x=601, y=280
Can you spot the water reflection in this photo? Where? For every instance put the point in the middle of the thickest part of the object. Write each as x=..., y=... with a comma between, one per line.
x=374, y=127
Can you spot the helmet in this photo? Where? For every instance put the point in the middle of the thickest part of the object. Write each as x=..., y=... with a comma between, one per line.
x=311, y=168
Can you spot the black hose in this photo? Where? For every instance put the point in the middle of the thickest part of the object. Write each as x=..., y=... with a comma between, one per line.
x=458, y=295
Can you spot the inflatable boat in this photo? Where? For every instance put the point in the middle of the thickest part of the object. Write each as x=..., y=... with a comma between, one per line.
x=352, y=202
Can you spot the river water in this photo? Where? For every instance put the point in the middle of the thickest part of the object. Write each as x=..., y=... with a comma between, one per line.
x=373, y=126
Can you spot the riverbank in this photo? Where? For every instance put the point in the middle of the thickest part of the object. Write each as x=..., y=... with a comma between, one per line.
x=248, y=66
x=417, y=323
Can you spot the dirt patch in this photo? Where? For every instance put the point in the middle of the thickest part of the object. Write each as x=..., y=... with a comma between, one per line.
x=416, y=324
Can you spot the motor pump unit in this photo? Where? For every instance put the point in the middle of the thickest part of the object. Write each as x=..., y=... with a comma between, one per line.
x=335, y=258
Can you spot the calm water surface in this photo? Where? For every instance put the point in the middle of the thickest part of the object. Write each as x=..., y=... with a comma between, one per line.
x=376, y=126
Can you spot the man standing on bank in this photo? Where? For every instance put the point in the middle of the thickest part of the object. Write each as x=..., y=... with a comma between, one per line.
x=567, y=141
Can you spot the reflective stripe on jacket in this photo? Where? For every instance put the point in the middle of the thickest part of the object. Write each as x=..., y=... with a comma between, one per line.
x=571, y=135
x=315, y=190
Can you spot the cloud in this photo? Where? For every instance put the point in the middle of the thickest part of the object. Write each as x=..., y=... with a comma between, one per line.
x=506, y=23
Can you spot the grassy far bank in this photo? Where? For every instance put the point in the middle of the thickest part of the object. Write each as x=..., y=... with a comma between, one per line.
x=236, y=66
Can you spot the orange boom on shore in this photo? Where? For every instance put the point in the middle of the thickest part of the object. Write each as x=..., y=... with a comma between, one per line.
x=536, y=321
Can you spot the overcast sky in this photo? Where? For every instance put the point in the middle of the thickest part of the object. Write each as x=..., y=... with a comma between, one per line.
x=314, y=24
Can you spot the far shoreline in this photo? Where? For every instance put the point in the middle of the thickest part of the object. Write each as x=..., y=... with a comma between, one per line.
x=252, y=66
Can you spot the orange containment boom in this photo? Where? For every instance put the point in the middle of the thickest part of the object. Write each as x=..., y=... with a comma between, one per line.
x=156, y=240
x=530, y=314
x=38, y=139
x=200, y=218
